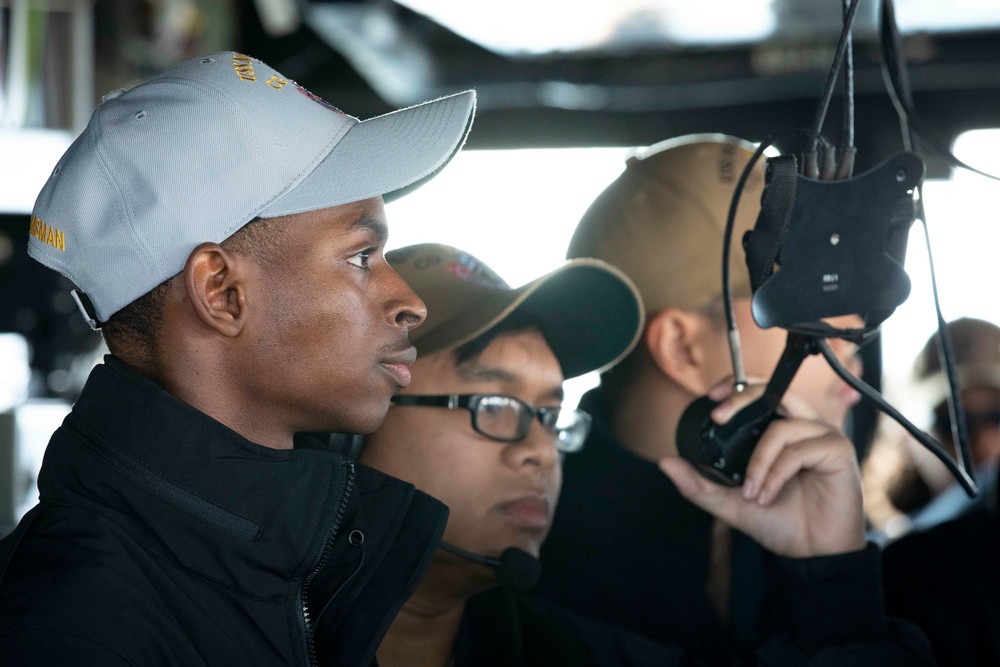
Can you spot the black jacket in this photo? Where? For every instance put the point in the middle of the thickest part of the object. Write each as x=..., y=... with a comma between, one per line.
x=627, y=548
x=947, y=580
x=506, y=629
x=164, y=538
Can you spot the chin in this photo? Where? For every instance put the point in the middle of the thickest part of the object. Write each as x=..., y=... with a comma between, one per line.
x=368, y=423
x=357, y=422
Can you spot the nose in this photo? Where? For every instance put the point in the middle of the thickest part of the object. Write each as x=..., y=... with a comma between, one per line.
x=538, y=449
x=404, y=307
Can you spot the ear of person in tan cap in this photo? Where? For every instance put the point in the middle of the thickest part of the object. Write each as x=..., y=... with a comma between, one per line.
x=655, y=561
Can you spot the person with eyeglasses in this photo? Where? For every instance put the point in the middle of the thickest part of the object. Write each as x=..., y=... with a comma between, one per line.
x=481, y=428
x=508, y=418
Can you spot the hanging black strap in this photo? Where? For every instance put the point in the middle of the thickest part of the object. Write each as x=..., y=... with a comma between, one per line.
x=764, y=242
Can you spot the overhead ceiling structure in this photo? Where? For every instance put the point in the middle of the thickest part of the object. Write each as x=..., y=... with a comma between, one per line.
x=561, y=73
x=525, y=28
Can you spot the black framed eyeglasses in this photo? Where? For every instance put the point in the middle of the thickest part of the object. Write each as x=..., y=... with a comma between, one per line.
x=508, y=419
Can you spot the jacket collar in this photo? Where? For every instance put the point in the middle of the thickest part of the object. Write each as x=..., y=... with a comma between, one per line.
x=649, y=504
x=195, y=492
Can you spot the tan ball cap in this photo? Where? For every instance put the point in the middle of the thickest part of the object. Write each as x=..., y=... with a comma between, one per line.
x=662, y=220
x=590, y=312
x=976, y=344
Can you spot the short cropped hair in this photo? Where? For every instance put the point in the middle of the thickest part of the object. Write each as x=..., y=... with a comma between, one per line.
x=133, y=332
x=515, y=323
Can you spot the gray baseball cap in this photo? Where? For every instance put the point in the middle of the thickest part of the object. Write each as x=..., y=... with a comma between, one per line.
x=195, y=153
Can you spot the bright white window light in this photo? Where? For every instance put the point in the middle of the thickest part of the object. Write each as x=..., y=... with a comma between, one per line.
x=533, y=27
x=964, y=229
x=934, y=15
x=27, y=157
x=514, y=209
x=536, y=27
x=15, y=371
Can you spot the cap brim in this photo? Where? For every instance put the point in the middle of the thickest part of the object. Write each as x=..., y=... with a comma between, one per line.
x=589, y=311
x=387, y=156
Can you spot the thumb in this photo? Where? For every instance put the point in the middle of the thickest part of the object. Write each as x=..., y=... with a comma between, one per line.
x=694, y=486
x=682, y=474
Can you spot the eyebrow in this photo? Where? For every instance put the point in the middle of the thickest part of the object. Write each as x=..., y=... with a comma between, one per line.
x=474, y=371
x=374, y=225
x=557, y=394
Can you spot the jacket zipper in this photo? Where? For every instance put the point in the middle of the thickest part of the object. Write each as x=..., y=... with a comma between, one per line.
x=327, y=548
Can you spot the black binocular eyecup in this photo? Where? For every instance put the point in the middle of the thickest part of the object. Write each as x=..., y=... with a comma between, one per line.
x=721, y=452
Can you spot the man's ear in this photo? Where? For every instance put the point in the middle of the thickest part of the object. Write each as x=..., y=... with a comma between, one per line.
x=216, y=286
x=676, y=342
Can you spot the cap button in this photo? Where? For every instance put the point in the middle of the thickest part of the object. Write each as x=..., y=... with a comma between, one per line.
x=114, y=94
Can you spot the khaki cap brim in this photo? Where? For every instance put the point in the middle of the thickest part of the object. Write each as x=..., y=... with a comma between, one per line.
x=589, y=312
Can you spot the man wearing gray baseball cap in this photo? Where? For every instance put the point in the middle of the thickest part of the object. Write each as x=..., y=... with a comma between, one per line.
x=224, y=228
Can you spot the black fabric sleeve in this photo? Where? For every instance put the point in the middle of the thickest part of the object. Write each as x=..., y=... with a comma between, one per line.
x=837, y=616
x=834, y=599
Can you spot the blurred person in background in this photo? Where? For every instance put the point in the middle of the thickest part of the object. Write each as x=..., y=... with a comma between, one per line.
x=907, y=486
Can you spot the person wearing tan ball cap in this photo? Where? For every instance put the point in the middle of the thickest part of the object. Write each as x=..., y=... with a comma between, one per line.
x=656, y=552
x=482, y=429
x=662, y=222
x=976, y=345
